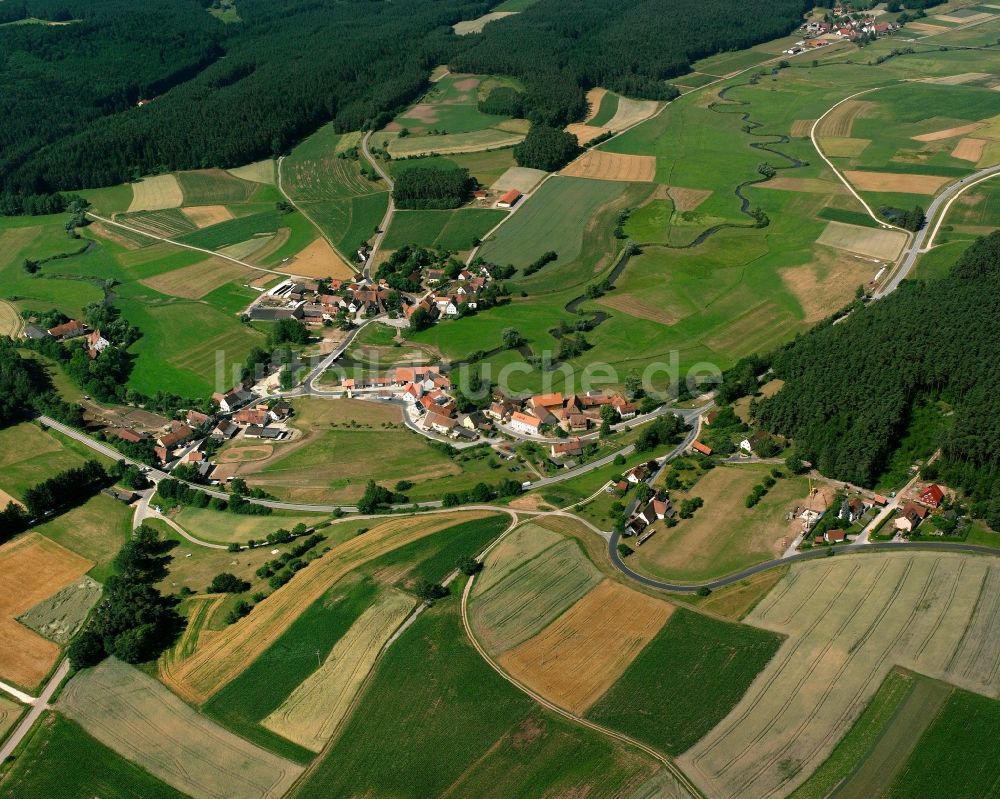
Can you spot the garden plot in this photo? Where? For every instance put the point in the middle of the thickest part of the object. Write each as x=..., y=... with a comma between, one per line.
x=848, y=623
x=873, y=242
x=315, y=710
x=142, y=721
x=574, y=660
x=33, y=569
x=156, y=193
x=60, y=616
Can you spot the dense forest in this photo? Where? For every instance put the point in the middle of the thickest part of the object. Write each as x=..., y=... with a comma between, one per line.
x=425, y=187
x=227, y=94
x=851, y=388
x=628, y=46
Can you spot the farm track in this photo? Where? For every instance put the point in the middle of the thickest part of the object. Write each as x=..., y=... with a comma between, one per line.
x=622, y=738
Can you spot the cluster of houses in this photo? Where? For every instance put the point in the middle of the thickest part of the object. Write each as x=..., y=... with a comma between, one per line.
x=184, y=441
x=913, y=512
x=574, y=413
x=844, y=26
x=306, y=302
x=74, y=328
x=445, y=297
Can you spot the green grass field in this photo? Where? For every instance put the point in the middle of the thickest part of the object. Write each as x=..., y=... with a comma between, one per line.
x=607, y=109
x=61, y=760
x=350, y=221
x=419, y=730
x=956, y=757
x=452, y=230
x=485, y=167
x=685, y=681
x=29, y=455
x=268, y=681
x=234, y=231
x=96, y=530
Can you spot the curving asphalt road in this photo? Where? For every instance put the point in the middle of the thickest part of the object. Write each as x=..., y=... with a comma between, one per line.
x=812, y=554
x=915, y=249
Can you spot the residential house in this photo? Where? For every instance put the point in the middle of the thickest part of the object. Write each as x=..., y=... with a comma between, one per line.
x=280, y=411
x=932, y=495
x=96, y=344
x=851, y=510
x=834, y=536
x=180, y=434
x=253, y=416
x=749, y=445
x=637, y=473
x=438, y=423
x=68, y=330
x=500, y=410
x=570, y=448
x=547, y=401
x=525, y=423
x=224, y=430
x=626, y=409
x=128, y=435
x=910, y=517
x=232, y=400
x=197, y=418
x=663, y=506
x=574, y=422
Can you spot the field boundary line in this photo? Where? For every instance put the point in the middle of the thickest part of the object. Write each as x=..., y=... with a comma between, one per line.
x=837, y=172
x=621, y=737
x=181, y=244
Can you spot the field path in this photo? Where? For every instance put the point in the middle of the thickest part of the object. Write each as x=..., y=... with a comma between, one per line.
x=389, y=211
x=38, y=706
x=649, y=750
x=164, y=239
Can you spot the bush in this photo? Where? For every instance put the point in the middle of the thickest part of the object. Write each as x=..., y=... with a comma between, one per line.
x=86, y=650
x=469, y=565
x=430, y=592
x=241, y=609
x=624, y=550
x=227, y=583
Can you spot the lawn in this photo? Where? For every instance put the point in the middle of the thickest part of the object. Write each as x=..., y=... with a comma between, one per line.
x=724, y=535
x=419, y=730
x=279, y=670
x=685, y=681
x=57, y=748
x=450, y=230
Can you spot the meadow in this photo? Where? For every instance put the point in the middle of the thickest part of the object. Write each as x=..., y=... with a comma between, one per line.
x=419, y=731
x=486, y=166
x=685, y=680
x=855, y=615
x=723, y=536
x=57, y=747
x=95, y=530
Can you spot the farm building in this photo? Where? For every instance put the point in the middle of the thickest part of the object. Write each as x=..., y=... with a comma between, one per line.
x=197, y=418
x=571, y=448
x=128, y=435
x=697, y=446
x=177, y=436
x=525, y=423
x=68, y=330
x=270, y=433
x=224, y=430
x=509, y=199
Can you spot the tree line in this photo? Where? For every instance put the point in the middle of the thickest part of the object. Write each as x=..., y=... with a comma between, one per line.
x=851, y=389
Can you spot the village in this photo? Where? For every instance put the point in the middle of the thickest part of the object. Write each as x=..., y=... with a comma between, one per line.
x=839, y=25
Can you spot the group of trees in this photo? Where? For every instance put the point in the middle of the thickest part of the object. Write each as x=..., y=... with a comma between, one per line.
x=425, y=187
x=546, y=148
x=926, y=341
x=482, y=493
x=65, y=489
x=378, y=498
x=503, y=101
x=183, y=494
x=133, y=621
x=666, y=429
x=26, y=389
x=404, y=269
x=913, y=219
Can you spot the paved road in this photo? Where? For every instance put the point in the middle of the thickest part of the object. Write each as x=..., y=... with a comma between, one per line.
x=38, y=706
x=389, y=211
x=811, y=554
x=916, y=245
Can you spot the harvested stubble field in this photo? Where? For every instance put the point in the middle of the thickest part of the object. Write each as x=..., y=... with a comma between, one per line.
x=585, y=133
x=875, y=243
x=314, y=710
x=600, y=165
x=949, y=133
x=574, y=660
x=142, y=721
x=535, y=574
x=33, y=569
x=257, y=172
x=969, y=149
x=10, y=712
x=631, y=112
x=60, y=616
x=320, y=260
x=899, y=182
x=474, y=141
x=156, y=193
x=228, y=654
x=522, y=178
x=849, y=620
